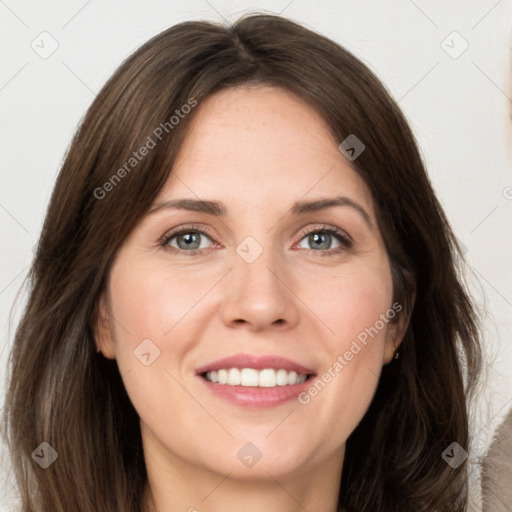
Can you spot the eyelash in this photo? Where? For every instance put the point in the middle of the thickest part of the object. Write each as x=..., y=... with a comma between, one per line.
x=341, y=236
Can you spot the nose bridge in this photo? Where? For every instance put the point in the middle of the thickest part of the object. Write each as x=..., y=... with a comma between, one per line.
x=257, y=268
x=256, y=292
x=258, y=271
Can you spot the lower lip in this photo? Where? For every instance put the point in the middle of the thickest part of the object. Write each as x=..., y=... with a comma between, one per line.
x=250, y=396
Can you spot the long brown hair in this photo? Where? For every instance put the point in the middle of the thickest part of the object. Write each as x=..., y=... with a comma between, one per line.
x=64, y=393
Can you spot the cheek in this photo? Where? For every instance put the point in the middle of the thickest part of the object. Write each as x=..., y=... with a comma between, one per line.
x=350, y=301
x=150, y=309
x=148, y=302
x=152, y=334
x=353, y=306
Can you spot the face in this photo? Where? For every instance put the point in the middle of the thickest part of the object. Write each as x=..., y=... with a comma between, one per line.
x=260, y=272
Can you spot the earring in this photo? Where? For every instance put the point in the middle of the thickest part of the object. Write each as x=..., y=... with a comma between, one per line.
x=396, y=354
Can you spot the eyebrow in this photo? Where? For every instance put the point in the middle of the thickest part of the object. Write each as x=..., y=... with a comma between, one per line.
x=218, y=209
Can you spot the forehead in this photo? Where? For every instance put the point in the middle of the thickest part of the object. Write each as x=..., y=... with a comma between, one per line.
x=261, y=144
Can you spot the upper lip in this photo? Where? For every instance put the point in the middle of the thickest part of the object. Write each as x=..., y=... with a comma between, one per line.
x=256, y=362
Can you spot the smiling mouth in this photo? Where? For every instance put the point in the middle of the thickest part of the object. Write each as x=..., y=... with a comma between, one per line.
x=251, y=377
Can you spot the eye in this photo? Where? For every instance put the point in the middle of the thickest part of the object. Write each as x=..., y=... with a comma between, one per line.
x=187, y=239
x=191, y=240
x=321, y=239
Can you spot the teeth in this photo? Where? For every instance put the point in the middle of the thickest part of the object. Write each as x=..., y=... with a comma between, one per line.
x=267, y=378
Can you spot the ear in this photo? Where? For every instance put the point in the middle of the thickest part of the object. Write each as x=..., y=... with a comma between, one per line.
x=101, y=329
x=396, y=329
x=394, y=336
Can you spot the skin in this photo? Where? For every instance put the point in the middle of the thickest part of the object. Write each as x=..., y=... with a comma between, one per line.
x=258, y=150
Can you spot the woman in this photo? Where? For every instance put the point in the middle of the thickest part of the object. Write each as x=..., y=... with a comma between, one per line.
x=244, y=295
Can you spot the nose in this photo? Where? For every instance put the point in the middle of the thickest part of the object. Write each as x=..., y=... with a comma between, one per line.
x=260, y=295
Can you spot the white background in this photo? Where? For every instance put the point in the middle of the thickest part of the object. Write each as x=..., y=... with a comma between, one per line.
x=459, y=109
